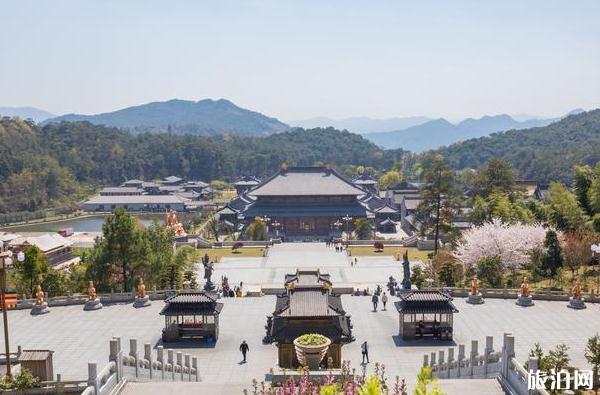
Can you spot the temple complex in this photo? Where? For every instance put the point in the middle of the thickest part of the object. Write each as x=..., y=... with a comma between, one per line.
x=308, y=203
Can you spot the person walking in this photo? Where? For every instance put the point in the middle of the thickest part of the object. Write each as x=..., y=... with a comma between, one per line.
x=244, y=349
x=355, y=260
x=375, y=300
x=384, y=300
x=365, y=351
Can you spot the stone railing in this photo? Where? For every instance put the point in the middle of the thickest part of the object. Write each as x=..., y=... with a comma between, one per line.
x=513, y=293
x=490, y=364
x=105, y=298
x=122, y=368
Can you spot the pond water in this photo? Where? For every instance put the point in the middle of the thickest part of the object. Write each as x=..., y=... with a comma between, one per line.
x=91, y=223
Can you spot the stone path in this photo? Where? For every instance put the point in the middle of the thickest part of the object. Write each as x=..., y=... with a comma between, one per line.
x=285, y=258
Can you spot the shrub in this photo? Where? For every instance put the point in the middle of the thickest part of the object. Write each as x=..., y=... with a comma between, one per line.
x=312, y=339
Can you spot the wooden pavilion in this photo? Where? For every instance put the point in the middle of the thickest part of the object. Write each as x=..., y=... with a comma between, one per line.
x=308, y=306
x=426, y=313
x=191, y=315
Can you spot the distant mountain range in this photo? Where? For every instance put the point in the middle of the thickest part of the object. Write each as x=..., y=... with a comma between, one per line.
x=361, y=125
x=26, y=113
x=205, y=117
x=543, y=153
x=440, y=132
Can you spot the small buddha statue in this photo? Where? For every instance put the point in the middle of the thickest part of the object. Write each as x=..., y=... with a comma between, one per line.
x=39, y=295
x=475, y=286
x=91, y=291
x=577, y=290
x=141, y=289
x=525, y=287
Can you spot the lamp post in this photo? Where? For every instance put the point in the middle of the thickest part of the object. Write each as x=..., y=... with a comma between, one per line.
x=6, y=257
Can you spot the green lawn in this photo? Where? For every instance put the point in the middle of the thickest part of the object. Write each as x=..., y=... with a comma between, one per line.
x=215, y=254
x=413, y=253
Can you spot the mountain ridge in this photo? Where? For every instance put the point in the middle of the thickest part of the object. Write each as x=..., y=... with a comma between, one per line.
x=27, y=112
x=203, y=117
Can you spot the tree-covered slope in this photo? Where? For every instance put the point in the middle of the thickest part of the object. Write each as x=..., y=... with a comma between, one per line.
x=545, y=153
x=204, y=117
x=52, y=165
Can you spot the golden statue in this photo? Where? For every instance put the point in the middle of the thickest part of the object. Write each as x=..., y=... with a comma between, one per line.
x=91, y=291
x=39, y=295
x=141, y=289
x=525, y=287
x=475, y=286
x=172, y=223
x=577, y=290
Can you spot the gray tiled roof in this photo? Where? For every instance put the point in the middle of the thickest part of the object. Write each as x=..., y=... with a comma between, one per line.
x=307, y=181
x=136, y=199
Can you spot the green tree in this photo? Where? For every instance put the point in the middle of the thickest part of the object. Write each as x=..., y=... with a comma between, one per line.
x=553, y=260
x=582, y=183
x=121, y=252
x=417, y=276
x=31, y=271
x=479, y=215
x=564, y=209
x=594, y=191
x=257, y=230
x=159, y=240
x=389, y=178
x=496, y=175
x=362, y=229
x=55, y=283
x=439, y=198
x=489, y=271
x=592, y=355
x=173, y=271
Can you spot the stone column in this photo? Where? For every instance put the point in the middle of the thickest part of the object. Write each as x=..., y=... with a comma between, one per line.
x=161, y=361
x=489, y=348
x=188, y=366
x=450, y=360
x=461, y=358
x=508, y=352
x=195, y=366
x=425, y=360
x=180, y=363
x=93, y=376
x=474, y=353
x=171, y=363
x=148, y=357
x=441, y=361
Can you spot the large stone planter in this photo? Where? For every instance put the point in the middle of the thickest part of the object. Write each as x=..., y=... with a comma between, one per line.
x=311, y=356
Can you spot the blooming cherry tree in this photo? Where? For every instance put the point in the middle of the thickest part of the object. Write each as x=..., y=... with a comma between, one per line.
x=512, y=243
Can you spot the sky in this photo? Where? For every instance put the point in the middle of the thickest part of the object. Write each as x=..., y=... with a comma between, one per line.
x=301, y=59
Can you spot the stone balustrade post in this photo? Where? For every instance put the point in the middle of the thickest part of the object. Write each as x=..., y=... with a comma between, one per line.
x=133, y=348
x=474, y=353
x=505, y=291
x=171, y=363
x=508, y=352
x=441, y=358
x=195, y=366
x=93, y=376
x=180, y=363
x=461, y=357
x=188, y=366
x=116, y=357
x=433, y=360
x=489, y=348
x=160, y=356
x=450, y=359
x=425, y=360
x=148, y=357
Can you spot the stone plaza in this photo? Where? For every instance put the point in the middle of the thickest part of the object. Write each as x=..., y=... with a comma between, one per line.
x=79, y=336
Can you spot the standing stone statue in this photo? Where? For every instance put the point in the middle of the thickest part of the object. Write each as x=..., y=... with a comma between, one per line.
x=406, y=285
x=141, y=299
x=40, y=306
x=576, y=301
x=475, y=296
x=525, y=298
x=92, y=302
x=208, y=271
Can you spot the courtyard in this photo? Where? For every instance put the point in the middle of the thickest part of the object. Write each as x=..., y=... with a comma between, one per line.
x=79, y=336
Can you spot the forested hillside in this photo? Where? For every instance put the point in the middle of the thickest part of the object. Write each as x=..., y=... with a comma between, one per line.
x=545, y=153
x=56, y=164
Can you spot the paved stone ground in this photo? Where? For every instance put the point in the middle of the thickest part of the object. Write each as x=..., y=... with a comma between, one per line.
x=79, y=336
x=285, y=258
